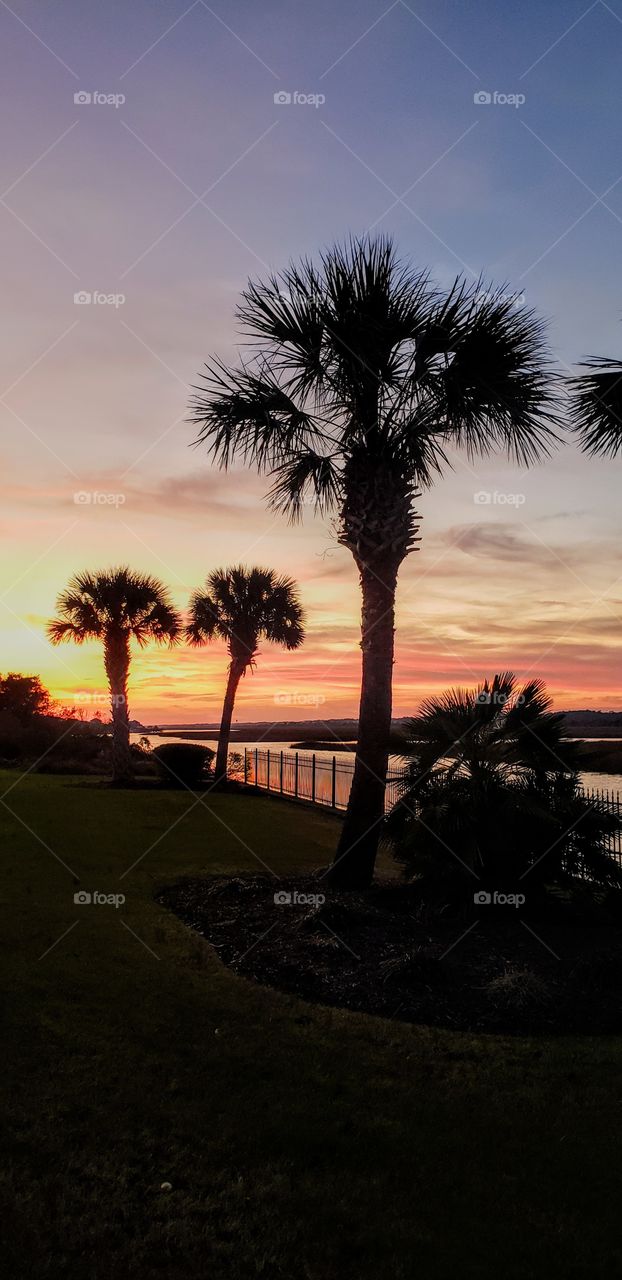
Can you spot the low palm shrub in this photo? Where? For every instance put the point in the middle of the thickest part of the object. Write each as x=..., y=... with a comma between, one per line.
x=491, y=798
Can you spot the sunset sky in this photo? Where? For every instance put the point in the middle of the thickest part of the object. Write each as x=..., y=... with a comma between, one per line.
x=169, y=200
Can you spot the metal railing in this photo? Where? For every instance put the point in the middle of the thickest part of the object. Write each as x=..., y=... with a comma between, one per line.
x=611, y=800
x=322, y=779
x=313, y=776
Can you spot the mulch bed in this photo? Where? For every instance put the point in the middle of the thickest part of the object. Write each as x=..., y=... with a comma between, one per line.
x=380, y=952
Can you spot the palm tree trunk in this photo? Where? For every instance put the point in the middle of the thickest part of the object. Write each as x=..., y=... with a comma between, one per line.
x=117, y=664
x=236, y=671
x=353, y=867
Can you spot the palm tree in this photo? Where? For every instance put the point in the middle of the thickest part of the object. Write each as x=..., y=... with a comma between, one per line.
x=243, y=606
x=116, y=606
x=491, y=796
x=596, y=407
x=360, y=376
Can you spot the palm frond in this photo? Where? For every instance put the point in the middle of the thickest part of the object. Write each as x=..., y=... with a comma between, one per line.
x=119, y=600
x=596, y=407
x=250, y=416
x=243, y=605
x=494, y=387
x=306, y=477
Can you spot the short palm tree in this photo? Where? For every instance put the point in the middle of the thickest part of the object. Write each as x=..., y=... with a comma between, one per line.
x=360, y=377
x=243, y=606
x=491, y=796
x=116, y=606
x=596, y=407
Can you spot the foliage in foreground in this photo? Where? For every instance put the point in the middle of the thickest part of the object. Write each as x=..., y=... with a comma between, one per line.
x=491, y=797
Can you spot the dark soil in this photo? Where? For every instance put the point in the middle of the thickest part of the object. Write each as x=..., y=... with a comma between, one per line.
x=381, y=952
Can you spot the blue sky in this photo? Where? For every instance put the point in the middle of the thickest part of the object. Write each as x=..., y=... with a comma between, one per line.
x=198, y=180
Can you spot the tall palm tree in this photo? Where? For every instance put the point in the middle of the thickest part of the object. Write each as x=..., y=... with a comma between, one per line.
x=360, y=376
x=596, y=407
x=491, y=796
x=243, y=606
x=116, y=606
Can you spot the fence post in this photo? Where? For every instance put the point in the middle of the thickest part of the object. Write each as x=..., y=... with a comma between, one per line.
x=256, y=767
x=296, y=776
x=281, y=773
x=245, y=768
x=333, y=800
x=268, y=773
x=313, y=778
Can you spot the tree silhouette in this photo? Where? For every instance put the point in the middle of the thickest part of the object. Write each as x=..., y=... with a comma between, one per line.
x=243, y=606
x=116, y=606
x=360, y=376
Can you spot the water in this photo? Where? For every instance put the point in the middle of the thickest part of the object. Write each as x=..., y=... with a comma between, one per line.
x=590, y=780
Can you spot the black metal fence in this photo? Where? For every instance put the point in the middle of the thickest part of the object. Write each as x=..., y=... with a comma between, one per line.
x=314, y=776
x=611, y=800
x=324, y=780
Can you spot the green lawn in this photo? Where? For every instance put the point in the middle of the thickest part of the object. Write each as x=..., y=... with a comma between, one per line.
x=299, y=1141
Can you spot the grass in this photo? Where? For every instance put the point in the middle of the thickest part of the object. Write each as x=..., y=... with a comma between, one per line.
x=299, y=1141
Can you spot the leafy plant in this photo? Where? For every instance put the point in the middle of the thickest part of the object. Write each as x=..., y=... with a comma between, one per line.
x=491, y=797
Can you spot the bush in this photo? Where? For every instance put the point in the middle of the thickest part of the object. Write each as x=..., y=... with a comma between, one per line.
x=519, y=990
x=183, y=764
x=492, y=789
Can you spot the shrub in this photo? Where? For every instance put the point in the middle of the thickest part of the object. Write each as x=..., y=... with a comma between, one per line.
x=519, y=990
x=183, y=764
x=492, y=789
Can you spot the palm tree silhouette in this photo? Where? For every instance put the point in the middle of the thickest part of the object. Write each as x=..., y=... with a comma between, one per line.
x=116, y=606
x=491, y=797
x=360, y=376
x=596, y=407
x=243, y=606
